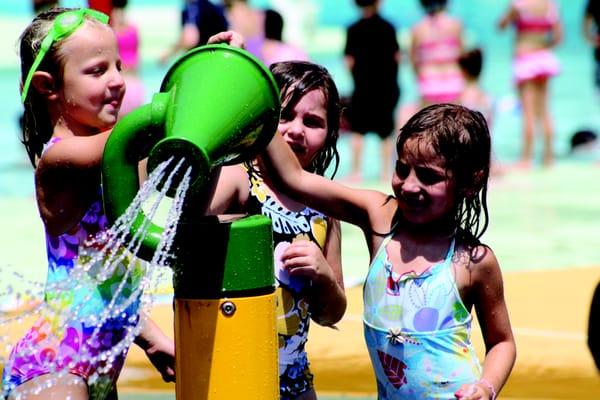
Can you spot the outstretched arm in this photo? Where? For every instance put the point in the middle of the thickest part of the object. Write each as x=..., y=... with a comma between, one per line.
x=355, y=206
x=492, y=313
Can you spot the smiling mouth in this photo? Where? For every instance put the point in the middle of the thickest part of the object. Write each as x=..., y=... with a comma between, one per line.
x=296, y=148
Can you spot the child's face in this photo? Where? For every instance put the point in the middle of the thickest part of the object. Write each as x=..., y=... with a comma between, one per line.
x=304, y=127
x=424, y=189
x=92, y=87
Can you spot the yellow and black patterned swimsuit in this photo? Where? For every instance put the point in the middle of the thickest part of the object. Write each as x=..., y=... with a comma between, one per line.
x=293, y=314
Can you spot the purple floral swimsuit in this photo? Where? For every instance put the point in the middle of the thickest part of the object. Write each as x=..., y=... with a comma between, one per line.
x=76, y=333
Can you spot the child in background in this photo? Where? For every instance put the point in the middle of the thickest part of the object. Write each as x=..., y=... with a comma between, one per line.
x=436, y=44
x=128, y=40
x=72, y=90
x=591, y=33
x=473, y=96
x=428, y=267
x=539, y=30
x=200, y=20
x=306, y=242
x=274, y=48
x=372, y=56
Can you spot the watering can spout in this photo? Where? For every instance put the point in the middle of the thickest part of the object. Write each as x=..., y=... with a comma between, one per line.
x=217, y=105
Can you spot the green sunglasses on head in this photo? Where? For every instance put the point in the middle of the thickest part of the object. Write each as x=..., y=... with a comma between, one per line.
x=64, y=24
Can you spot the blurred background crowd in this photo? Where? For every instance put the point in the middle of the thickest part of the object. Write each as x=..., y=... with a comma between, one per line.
x=528, y=65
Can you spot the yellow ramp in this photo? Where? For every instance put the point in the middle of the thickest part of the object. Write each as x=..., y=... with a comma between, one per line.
x=549, y=314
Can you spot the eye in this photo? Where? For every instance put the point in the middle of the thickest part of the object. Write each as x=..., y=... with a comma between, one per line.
x=402, y=170
x=97, y=69
x=430, y=176
x=313, y=121
x=285, y=116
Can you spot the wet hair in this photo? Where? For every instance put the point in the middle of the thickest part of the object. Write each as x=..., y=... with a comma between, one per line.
x=433, y=6
x=471, y=62
x=295, y=79
x=461, y=138
x=365, y=3
x=37, y=128
x=581, y=138
x=273, y=25
x=119, y=3
x=42, y=5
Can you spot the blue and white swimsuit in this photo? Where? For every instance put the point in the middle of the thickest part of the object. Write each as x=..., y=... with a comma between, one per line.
x=417, y=331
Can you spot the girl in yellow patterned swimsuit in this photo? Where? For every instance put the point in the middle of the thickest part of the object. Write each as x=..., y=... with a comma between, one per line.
x=306, y=242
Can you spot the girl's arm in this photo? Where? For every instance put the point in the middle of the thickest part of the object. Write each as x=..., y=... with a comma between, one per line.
x=159, y=348
x=229, y=190
x=557, y=32
x=492, y=313
x=355, y=206
x=67, y=177
x=508, y=17
x=412, y=51
x=327, y=299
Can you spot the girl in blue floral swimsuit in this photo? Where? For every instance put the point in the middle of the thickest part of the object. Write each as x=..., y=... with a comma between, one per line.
x=428, y=268
x=306, y=242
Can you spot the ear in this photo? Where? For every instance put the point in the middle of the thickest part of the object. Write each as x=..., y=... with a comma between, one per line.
x=475, y=185
x=45, y=84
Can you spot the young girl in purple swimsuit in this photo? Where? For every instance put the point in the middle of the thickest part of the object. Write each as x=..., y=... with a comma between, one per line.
x=72, y=90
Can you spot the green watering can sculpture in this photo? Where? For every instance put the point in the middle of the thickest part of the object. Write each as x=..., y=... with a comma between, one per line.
x=217, y=105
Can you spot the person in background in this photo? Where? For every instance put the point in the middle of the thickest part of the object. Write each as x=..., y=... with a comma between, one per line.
x=200, y=20
x=436, y=45
x=538, y=31
x=593, y=339
x=591, y=25
x=473, y=96
x=274, y=48
x=128, y=40
x=372, y=56
x=104, y=6
x=248, y=21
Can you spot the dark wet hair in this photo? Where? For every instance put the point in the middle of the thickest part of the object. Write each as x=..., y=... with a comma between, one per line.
x=433, y=6
x=471, y=62
x=37, y=128
x=581, y=138
x=119, y=3
x=295, y=79
x=461, y=138
x=273, y=25
x=365, y=3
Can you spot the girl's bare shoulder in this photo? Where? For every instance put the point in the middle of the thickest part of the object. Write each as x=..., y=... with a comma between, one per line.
x=479, y=261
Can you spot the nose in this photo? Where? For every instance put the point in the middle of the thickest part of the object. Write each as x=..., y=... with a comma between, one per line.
x=411, y=183
x=295, y=129
x=116, y=80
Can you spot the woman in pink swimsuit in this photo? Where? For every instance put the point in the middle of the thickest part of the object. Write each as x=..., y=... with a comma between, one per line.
x=538, y=30
x=128, y=40
x=436, y=44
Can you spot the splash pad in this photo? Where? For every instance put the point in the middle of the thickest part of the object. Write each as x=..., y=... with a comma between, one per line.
x=217, y=105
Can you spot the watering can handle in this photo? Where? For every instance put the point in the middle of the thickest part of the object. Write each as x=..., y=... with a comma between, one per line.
x=139, y=129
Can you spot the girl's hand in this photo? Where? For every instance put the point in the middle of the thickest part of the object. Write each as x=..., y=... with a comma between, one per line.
x=304, y=258
x=159, y=348
x=474, y=391
x=231, y=38
x=162, y=355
